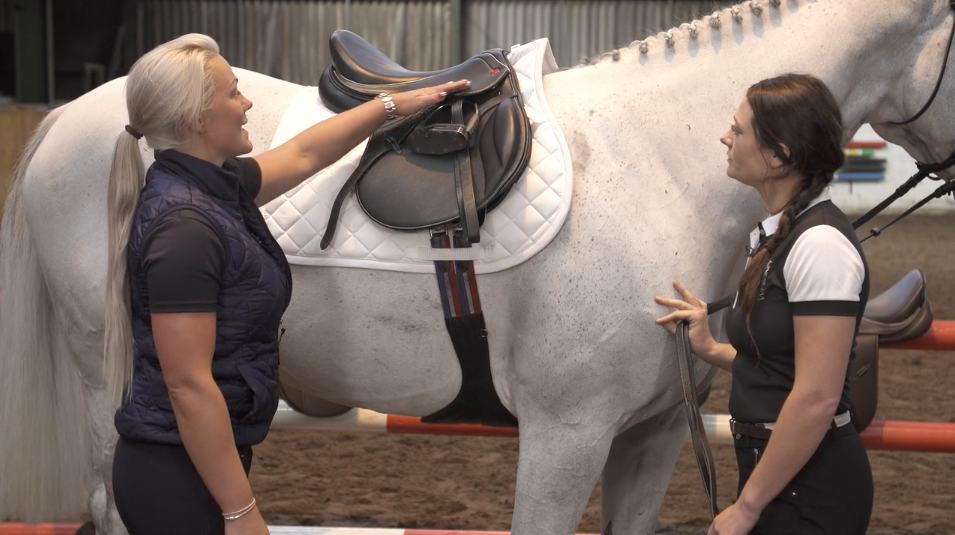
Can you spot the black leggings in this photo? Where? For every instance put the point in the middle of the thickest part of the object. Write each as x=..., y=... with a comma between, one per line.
x=831, y=495
x=159, y=492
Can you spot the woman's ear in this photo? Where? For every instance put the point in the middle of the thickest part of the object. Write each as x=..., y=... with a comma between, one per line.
x=777, y=162
x=194, y=125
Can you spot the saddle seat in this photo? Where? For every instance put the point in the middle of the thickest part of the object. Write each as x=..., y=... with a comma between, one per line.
x=447, y=165
x=360, y=68
x=900, y=313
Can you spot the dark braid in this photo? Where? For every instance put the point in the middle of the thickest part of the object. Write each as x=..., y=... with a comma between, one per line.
x=799, y=112
x=752, y=277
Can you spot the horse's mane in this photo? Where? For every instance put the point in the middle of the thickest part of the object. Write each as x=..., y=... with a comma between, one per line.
x=681, y=33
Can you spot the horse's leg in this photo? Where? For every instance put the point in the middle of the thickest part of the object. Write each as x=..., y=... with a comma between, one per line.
x=638, y=471
x=80, y=340
x=102, y=508
x=557, y=470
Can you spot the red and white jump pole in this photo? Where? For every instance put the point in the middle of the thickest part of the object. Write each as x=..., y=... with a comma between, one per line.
x=70, y=529
x=880, y=435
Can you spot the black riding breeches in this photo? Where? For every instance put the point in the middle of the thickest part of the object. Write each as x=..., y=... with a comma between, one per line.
x=159, y=492
x=831, y=495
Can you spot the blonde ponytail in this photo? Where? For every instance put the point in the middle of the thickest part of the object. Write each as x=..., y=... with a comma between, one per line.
x=166, y=92
x=125, y=181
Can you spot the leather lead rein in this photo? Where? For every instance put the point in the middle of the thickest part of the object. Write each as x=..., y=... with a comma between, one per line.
x=701, y=446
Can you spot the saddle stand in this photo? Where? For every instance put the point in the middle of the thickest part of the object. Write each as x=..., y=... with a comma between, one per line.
x=441, y=169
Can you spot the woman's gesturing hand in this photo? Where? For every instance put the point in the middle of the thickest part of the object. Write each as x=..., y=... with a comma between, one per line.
x=411, y=102
x=692, y=310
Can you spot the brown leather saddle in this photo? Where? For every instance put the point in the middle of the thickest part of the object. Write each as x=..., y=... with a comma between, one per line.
x=448, y=164
x=900, y=313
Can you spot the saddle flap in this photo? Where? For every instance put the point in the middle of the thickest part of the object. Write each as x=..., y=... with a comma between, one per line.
x=863, y=377
x=412, y=190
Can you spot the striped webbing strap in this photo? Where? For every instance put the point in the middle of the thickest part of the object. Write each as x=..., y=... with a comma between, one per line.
x=457, y=283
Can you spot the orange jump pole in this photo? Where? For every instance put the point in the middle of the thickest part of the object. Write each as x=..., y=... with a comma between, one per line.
x=940, y=337
x=909, y=436
x=38, y=529
x=880, y=435
x=70, y=529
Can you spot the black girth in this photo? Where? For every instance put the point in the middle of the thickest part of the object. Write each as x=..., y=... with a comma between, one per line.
x=477, y=402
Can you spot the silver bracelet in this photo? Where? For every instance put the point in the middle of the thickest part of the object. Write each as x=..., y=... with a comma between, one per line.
x=240, y=513
x=389, y=103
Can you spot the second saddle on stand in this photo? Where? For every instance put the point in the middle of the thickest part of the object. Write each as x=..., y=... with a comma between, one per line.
x=446, y=165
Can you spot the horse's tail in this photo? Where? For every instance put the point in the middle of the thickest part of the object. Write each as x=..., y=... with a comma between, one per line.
x=45, y=460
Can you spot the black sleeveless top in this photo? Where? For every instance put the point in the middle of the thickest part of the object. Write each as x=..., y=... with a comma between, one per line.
x=819, y=269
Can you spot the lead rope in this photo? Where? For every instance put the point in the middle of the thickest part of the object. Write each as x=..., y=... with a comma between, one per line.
x=704, y=456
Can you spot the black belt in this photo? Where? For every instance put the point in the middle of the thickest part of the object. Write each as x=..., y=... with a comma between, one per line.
x=764, y=431
x=738, y=430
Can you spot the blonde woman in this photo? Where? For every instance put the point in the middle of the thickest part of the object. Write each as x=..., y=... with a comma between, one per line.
x=197, y=286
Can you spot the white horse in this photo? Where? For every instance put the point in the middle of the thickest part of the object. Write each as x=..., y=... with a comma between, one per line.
x=574, y=350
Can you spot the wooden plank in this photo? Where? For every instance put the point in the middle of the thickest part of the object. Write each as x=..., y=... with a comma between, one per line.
x=17, y=123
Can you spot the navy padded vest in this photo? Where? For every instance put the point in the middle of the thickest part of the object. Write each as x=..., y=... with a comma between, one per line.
x=255, y=289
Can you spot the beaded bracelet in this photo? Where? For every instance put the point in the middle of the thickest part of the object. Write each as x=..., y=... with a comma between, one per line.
x=240, y=513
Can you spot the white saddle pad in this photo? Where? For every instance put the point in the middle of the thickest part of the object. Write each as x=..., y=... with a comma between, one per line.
x=523, y=224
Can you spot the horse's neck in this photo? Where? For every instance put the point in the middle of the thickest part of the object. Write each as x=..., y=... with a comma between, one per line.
x=860, y=52
x=646, y=126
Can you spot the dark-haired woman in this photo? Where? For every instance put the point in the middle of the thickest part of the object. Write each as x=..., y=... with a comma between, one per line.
x=802, y=466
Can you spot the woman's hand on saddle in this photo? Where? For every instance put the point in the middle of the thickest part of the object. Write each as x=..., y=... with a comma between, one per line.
x=692, y=310
x=411, y=102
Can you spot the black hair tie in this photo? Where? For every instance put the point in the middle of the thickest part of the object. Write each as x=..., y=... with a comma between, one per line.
x=133, y=132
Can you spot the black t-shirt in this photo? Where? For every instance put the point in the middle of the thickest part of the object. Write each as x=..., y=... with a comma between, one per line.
x=819, y=270
x=183, y=255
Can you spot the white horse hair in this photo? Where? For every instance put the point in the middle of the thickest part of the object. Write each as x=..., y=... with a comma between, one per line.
x=575, y=353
